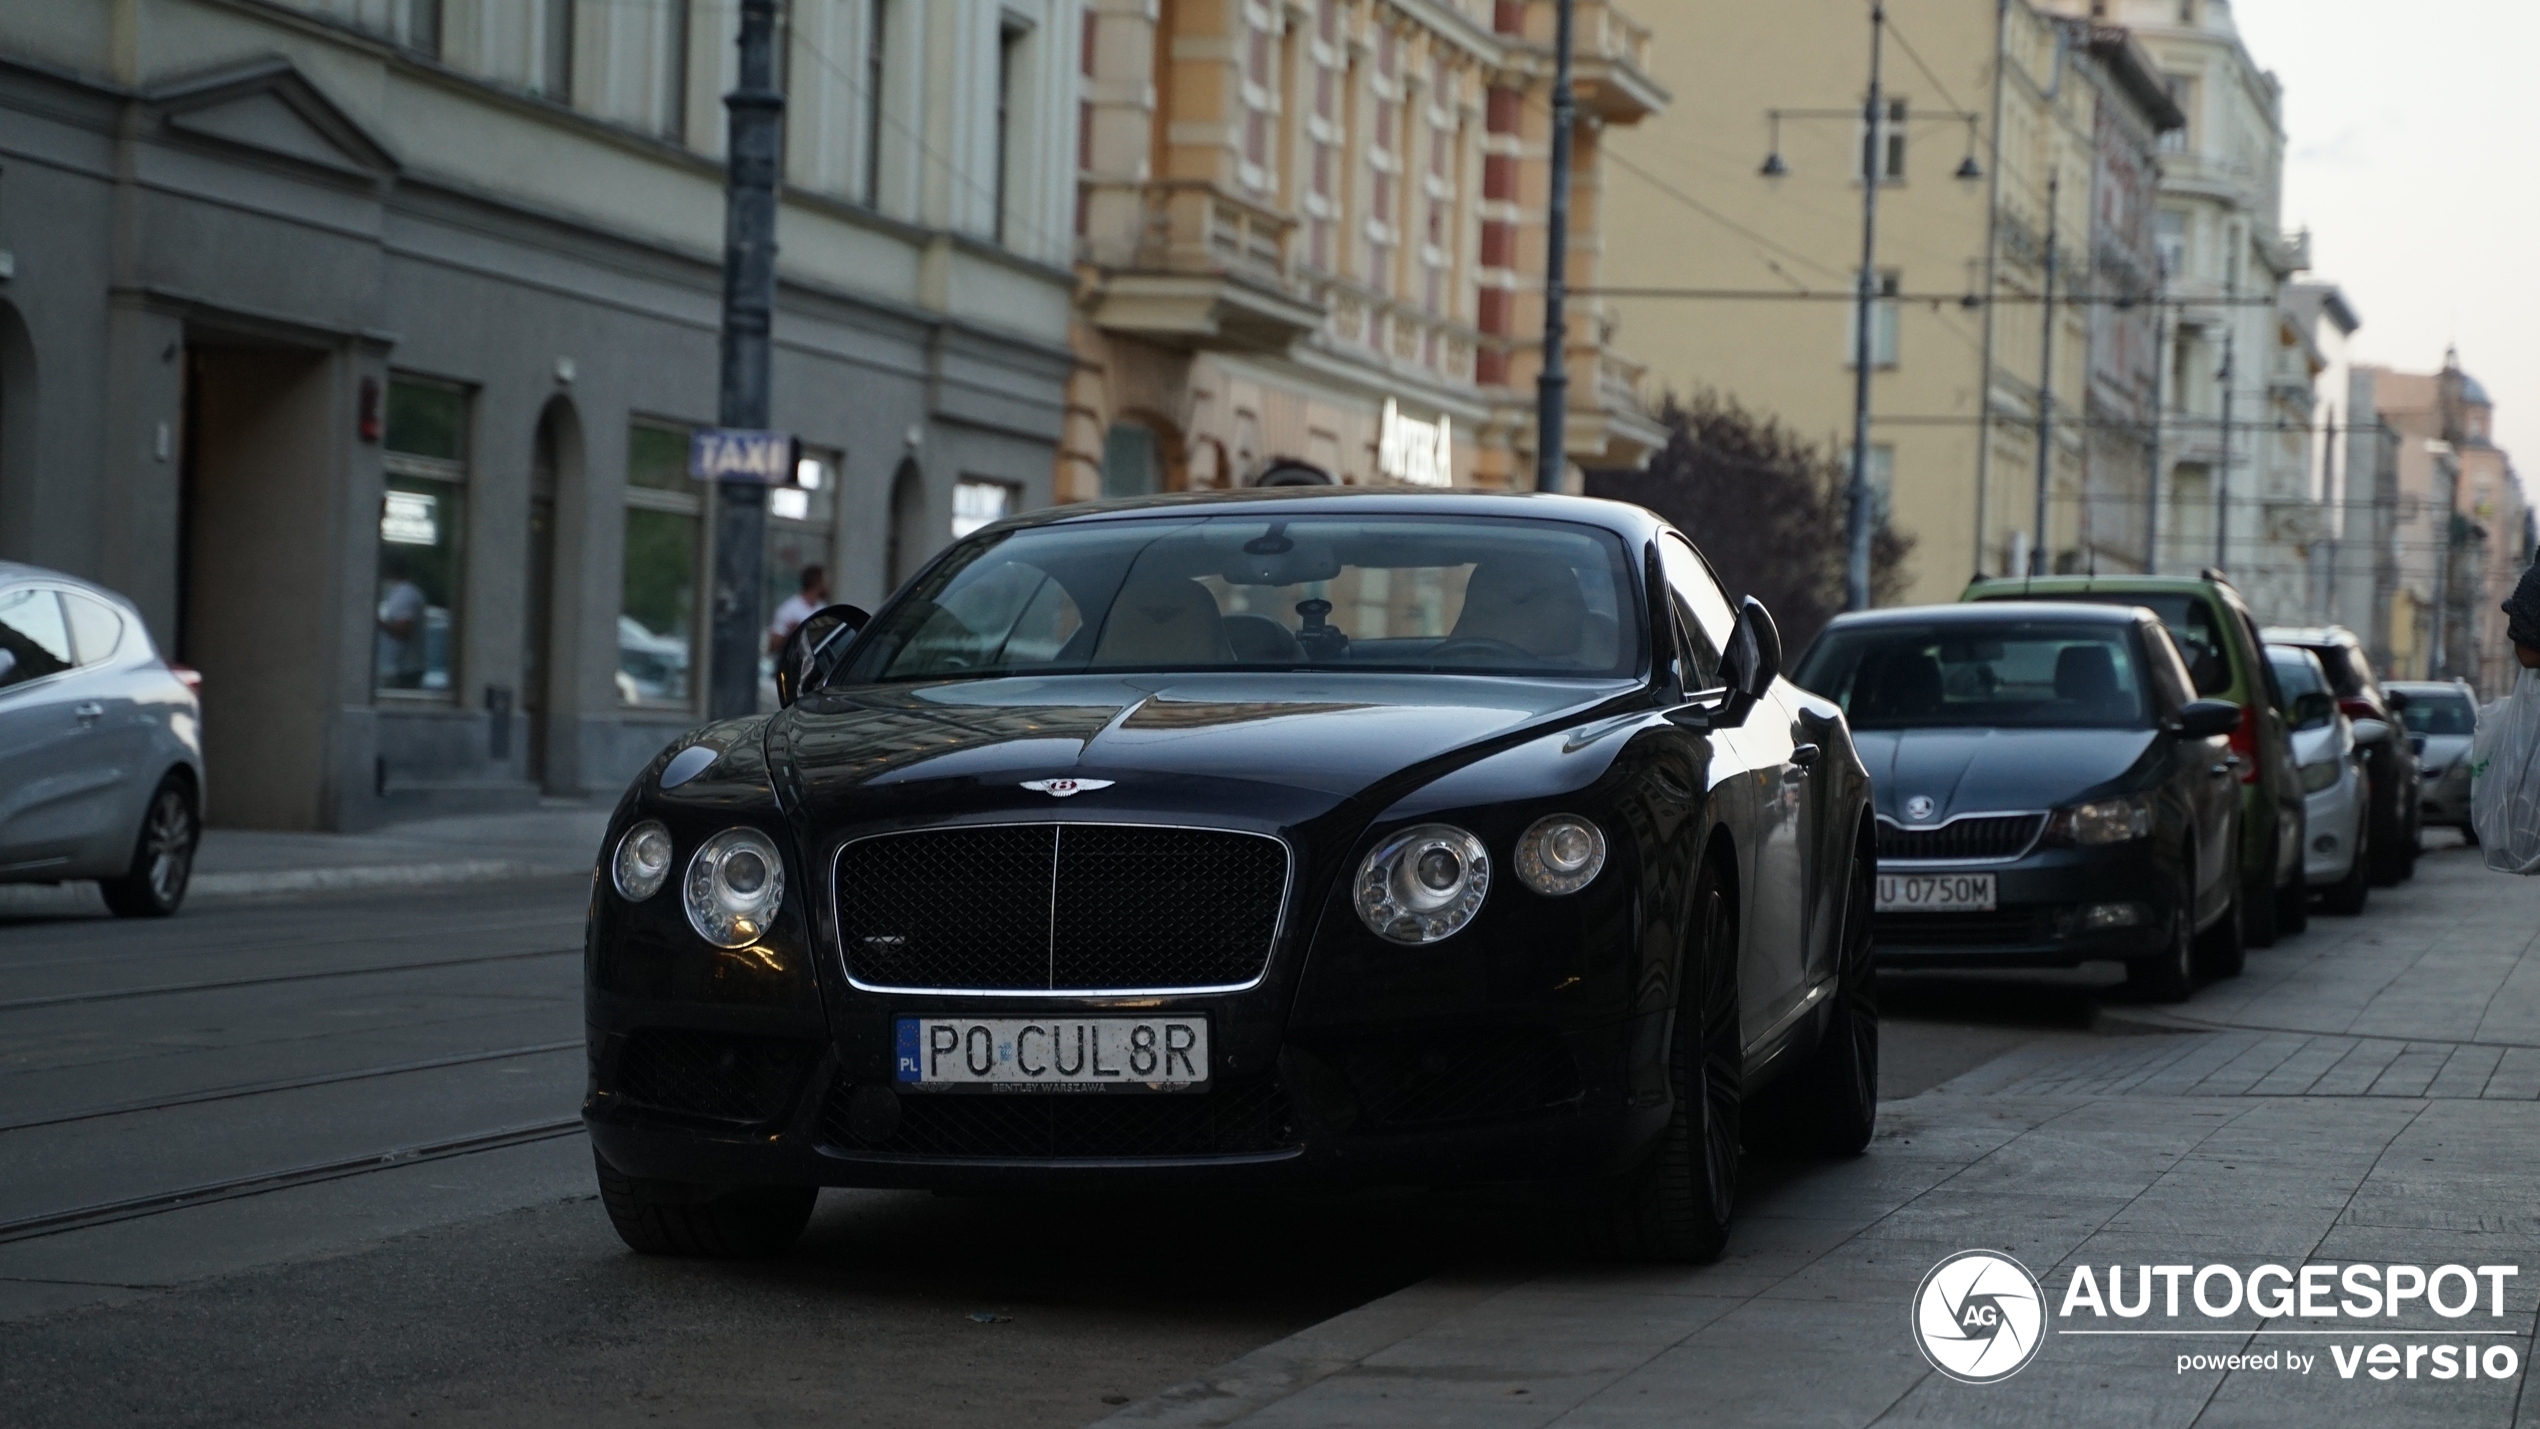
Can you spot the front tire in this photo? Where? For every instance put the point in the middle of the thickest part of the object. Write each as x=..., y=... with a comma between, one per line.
x=2170, y=975
x=2223, y=949
x=674, y=1218
x=1676, y=1207
x=2346, y=898
x=154, y=884
x=1830, y=1107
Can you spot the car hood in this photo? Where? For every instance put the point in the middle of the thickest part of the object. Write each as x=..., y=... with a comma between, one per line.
x=1982, y=771
x=2442, y=749
x=1276, y=749
x=2330, y=741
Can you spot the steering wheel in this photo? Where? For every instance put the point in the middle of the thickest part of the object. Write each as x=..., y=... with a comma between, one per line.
x=1481, y=645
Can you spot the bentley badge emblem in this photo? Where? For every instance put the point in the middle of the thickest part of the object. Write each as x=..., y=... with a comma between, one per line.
x=1065, y=788
x=1919, y=808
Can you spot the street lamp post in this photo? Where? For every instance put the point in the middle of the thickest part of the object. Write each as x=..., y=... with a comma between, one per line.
x=1552, y=385
x=1857, y=532
x=757, y=112
x=2046, y=377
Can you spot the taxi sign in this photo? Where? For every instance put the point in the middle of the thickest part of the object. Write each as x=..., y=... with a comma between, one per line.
x=738, y=454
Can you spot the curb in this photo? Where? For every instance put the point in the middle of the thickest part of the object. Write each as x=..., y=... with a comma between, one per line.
x=1282, y=1368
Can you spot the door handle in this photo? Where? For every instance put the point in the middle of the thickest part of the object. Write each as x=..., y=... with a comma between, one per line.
x=1804, y=755
x=89, y=711
x=2220, y=771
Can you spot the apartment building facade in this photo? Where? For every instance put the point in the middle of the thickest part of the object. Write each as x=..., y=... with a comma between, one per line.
x=2461, y=528
x=2005, y=126
x=358, y=342
x=1311, y=243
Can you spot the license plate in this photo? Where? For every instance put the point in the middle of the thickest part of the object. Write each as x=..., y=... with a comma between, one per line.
x=1935, y=893
x=1084, y=1054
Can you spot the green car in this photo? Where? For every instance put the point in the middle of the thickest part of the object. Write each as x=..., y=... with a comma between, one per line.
x=2219, y=639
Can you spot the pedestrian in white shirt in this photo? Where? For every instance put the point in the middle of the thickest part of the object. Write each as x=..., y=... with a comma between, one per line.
x=799, y=606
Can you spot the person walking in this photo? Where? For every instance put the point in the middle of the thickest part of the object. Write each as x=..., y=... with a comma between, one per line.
x=798, y=607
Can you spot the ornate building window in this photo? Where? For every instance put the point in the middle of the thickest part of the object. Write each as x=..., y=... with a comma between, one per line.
x=1383, y=142
x=1260, y=50
x=1321, y=203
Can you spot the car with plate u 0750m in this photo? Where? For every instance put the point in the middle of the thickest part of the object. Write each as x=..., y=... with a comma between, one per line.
x=1277, y=838
x=2050, y=791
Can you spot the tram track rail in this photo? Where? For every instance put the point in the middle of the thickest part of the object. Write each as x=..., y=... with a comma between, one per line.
x=284, y=1084
x=108, y=1212
x=68, y=999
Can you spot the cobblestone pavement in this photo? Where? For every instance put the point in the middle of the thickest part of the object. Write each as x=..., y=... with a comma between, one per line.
x=2367, y=1092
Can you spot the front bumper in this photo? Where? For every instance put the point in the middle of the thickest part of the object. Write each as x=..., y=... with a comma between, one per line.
x=2446, y=797
x=2041, y=902
x=2333, y=822
x=1438, y=1105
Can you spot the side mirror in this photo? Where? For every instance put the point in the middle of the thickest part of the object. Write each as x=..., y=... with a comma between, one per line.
x=1752, y=662
x=2204, y=719
x=2372, y=731
x=822, y=632
x=2398, y=700
x=2417, y=743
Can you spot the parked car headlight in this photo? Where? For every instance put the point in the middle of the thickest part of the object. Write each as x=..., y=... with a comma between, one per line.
x=643, y=861
x=1423, y=884
x=736, y=881
x=2105, y=821
x=2323, y=775
x=1560, y=854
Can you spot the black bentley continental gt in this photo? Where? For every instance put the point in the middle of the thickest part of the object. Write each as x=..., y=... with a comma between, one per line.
x=1343, y=837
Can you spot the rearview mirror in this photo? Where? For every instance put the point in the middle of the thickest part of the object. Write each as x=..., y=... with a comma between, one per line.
x=823, y=632
x=2372, y=731
x=2204, y=719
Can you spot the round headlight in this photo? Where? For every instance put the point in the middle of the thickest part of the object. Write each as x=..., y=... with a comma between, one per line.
x=642, y=862
x=1560, y=854
x=736, y=882
x=1423, y=884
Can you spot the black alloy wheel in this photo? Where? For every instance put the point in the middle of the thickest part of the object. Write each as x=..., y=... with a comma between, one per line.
x=2223, y=949
x=2170, y=975
x=1830, y=1106
x=1676, y=1206
x=154, y=884
x=706, y=1222
x=2346, y=897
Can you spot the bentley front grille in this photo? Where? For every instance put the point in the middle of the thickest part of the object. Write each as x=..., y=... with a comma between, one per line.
x=1994, y=836
x=1060, y=907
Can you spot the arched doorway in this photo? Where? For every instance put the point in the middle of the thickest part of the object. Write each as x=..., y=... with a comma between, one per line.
x=911, y=540
x=546, y=685
x=17, y=431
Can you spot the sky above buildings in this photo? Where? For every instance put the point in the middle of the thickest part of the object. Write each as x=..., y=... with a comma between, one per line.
x=2411, y=149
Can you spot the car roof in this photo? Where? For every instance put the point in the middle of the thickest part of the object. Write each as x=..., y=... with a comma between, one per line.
x=2311, y=635
x=1620, y=517
x=1995, y=612
x=2049, y=586
x=2428, y=687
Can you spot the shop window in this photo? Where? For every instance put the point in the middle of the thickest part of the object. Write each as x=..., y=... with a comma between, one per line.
x=422, y=530
x=657, y=609
x=978, y=503
x=802, y=520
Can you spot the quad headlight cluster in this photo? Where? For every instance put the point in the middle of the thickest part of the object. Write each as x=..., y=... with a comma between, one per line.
x=734, y=884
x=1426, y=883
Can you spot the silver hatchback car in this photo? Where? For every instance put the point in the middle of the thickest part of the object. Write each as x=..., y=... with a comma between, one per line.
x=101, y=746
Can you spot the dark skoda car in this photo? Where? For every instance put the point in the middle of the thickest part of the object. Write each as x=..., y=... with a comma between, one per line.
x=1354, y=837
x=2049, y=790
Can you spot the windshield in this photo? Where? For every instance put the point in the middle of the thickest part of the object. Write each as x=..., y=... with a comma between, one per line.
x=1462, y=595
x=2016, y=675
x=2439, y=714
x=2298, y=671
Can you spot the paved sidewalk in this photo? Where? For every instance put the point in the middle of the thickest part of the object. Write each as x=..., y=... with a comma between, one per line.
x=558, y=837
x=2365, y=1093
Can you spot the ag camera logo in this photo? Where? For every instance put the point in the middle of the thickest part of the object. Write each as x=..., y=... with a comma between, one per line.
x=1979, y=1316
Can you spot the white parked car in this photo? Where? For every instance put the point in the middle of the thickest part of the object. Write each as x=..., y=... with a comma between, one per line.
x=2328, y=752
x=101, y=746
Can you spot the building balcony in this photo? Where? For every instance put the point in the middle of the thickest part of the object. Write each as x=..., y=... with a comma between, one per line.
x=1185, y=262
x=1402, y=337
x=1610, y=66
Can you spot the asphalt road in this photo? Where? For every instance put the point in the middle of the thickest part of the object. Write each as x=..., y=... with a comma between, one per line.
x=316, y=1160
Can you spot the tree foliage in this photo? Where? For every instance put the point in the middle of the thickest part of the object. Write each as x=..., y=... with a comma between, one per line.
x=1766, y=507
